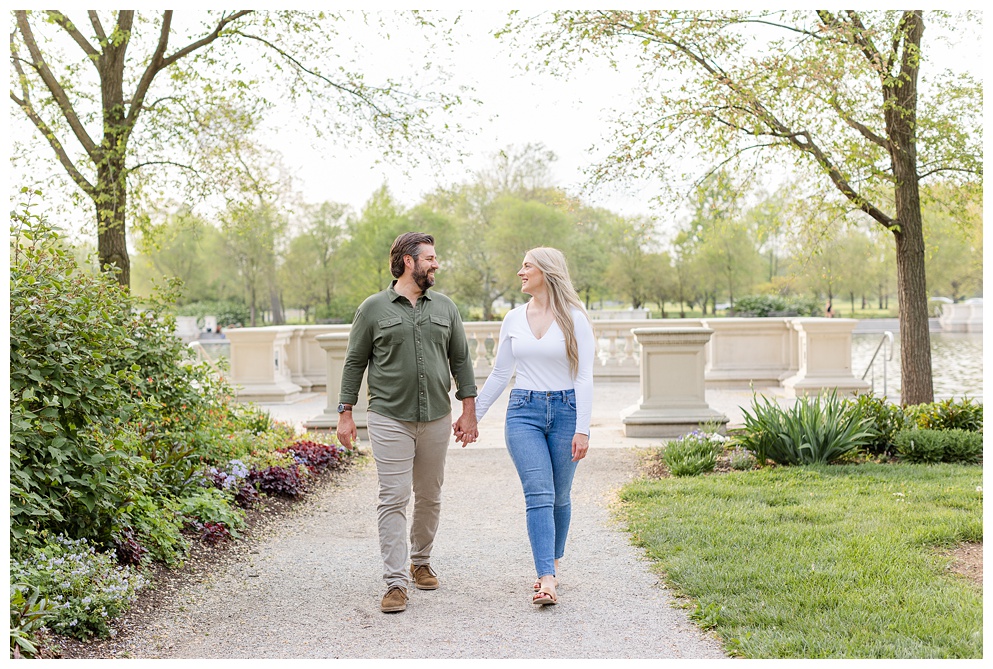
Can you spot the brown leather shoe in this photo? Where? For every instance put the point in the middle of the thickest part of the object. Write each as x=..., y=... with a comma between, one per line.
x=394, y=601
x=424, y=577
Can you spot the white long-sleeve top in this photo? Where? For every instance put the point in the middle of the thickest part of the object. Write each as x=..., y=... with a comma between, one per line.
x=542, y=364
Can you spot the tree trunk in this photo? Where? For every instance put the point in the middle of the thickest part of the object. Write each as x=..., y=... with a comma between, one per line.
x=901, y=118
x=110, y=196
x=110, y=202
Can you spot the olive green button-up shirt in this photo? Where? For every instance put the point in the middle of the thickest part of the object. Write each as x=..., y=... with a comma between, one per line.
x=412, y=353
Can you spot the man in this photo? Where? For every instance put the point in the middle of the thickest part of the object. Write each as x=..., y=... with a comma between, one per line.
x=413, y=343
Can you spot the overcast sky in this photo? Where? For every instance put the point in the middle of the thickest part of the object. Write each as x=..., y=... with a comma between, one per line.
x=568, y=115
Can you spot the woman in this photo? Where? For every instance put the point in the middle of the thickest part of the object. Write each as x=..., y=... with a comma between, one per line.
x=550, y=342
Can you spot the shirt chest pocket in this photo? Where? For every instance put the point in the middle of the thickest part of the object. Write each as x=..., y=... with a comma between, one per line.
x=390, y=331
x=441, y=329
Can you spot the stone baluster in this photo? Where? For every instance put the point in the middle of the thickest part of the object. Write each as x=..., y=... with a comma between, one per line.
x=335, y=344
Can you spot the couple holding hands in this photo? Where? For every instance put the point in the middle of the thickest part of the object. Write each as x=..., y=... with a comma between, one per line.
x=411, y=343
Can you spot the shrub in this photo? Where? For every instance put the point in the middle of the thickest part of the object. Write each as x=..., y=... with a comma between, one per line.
x=104, y=407
x=85, y=589
x=887, y=420
x=284, y=481
x=212, y=505
x=815, y=430
x=949, y=414
x=227, y=312
x=693, y=453
x=933, y=446
x=963, y=446
x=769, y=305
x=317, y=457
x=28, y=613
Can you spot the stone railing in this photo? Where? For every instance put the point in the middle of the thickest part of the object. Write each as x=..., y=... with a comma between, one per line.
x=964, y=316
x=803, y=355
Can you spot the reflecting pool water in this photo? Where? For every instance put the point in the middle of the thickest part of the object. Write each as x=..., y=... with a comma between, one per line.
x=956, y=363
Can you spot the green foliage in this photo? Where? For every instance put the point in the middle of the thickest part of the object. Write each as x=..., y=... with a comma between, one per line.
x=70, y=388
x=28, y=613
x=228, y=312
x=693, y=453
x=110, y=423
x=742, y=460
x=212, y=505
x=86, y=589
x=964, y=414
x=887, y=420
x=815, y=430
x=158, y=524
x=775, y=305
x=926, y=446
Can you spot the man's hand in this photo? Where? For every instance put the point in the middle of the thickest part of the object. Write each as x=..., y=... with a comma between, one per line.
x=465, y=428
x=346, y=429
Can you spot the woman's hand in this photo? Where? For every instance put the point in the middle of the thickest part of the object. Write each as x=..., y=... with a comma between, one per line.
x=580, y=444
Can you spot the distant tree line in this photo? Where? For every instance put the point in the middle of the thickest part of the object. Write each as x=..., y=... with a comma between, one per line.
x=272, y=253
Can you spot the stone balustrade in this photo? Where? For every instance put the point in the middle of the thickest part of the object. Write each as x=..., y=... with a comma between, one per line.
x=964, y=316
x=803, y=355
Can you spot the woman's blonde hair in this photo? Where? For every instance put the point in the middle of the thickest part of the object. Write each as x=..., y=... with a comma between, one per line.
x=561, y=296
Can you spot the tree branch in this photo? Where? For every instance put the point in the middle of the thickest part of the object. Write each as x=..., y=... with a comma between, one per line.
x=53, y=141
x=937, y=170
x=40, y=66
x=214, y=34
x=344, y=89
x=864, y=130
x=62, y=20
x=97, y=26
x=154, y=67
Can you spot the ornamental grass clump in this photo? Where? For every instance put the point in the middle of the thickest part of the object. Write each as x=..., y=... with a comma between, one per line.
x=693, y=453
x=816, y=429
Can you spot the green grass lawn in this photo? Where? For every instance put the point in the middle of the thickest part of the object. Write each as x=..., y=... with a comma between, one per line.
x=820, y=561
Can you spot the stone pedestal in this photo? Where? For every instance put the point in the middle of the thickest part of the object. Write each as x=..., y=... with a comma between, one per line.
x=335, y=345
x=260, y=366
x=825, y=346
x=673, y=400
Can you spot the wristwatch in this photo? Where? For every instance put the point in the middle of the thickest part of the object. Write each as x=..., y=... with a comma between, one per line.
x=342, y=408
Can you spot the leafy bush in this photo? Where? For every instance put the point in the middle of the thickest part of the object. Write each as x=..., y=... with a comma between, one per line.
x=86, y=590
x=28, y=613
x=285, y=481
x=815, y=429
x=887, y=420
x=933, y=446
x=227, y=312
x=109, y=420
x=949, y=414
x=693, y=453
x=211, y=505
x=770, y=305
x=317, y=456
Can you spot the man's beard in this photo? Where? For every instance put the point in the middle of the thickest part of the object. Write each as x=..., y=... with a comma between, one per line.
x=423, y=279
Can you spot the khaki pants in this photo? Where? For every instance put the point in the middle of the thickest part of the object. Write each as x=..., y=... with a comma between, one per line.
x=408, y=456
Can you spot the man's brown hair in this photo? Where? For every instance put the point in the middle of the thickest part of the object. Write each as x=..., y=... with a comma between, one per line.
x=407, y=244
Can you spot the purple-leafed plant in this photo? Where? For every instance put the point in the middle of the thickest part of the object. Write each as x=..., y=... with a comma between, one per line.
x=286, y=481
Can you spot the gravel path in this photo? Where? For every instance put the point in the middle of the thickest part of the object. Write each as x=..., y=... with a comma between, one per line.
x=310, y=587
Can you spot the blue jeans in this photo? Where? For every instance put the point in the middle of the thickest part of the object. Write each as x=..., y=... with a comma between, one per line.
x=539, y=430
